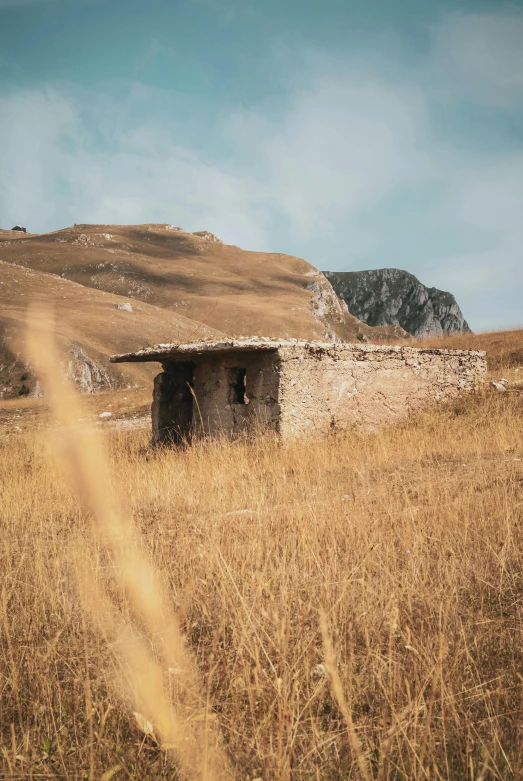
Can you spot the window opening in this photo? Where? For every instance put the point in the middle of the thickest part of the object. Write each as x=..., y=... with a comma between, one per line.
x=237, y=383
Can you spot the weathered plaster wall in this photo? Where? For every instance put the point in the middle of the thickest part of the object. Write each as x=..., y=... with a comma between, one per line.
x=335, y=387
x=214, y=411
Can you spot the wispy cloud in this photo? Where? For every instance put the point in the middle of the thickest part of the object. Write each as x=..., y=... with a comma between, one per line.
x=364, y=166
x=373, y=168
x=480, y=56
x=57, y=169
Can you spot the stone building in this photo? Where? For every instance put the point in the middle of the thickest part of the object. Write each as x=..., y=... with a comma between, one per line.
x=296, y=387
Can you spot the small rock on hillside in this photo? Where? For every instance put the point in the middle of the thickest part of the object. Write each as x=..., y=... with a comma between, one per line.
x=390, y=296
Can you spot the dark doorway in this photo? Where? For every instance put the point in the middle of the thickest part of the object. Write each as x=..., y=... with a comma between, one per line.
x=237, y=383
x=172, y=409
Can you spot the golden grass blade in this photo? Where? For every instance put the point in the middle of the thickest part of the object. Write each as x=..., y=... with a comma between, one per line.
x=180, y=723
x=337, y=690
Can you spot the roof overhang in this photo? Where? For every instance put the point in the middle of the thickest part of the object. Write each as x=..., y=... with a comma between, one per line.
x=173, y=352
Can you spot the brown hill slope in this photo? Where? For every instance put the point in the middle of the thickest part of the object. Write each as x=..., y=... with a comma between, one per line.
x=229, y=289
x=89, y=329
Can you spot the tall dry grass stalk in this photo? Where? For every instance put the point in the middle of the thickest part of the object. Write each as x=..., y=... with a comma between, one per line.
x=181, y=718
x=408, y=540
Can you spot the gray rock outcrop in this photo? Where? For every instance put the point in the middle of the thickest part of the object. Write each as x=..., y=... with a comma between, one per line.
x=207, y=236
x=325, y=304
x=389, y=296
x=89, y=375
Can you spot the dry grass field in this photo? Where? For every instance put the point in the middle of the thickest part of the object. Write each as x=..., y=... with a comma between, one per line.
x=341, y=609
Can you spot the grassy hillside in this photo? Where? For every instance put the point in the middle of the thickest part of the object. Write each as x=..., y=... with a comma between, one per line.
x=89, y=330
x=229, y=289
x=407, y=541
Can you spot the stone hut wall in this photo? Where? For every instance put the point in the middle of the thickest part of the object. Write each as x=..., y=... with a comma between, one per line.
x=218, y=411
x=300, y=388
x=325, y=388
x=215, y=404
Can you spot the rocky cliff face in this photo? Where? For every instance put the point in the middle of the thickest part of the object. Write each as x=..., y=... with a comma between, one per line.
x=389, y=296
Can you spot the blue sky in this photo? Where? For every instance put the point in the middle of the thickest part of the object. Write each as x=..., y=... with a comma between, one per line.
x=353, y=133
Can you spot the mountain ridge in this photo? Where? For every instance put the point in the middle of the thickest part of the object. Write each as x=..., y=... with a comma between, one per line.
x=391, y=296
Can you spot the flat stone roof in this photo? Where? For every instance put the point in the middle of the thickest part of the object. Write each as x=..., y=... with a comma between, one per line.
x=163, y=352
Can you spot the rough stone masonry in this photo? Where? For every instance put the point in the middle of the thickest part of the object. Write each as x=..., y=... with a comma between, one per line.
x=296, y=387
